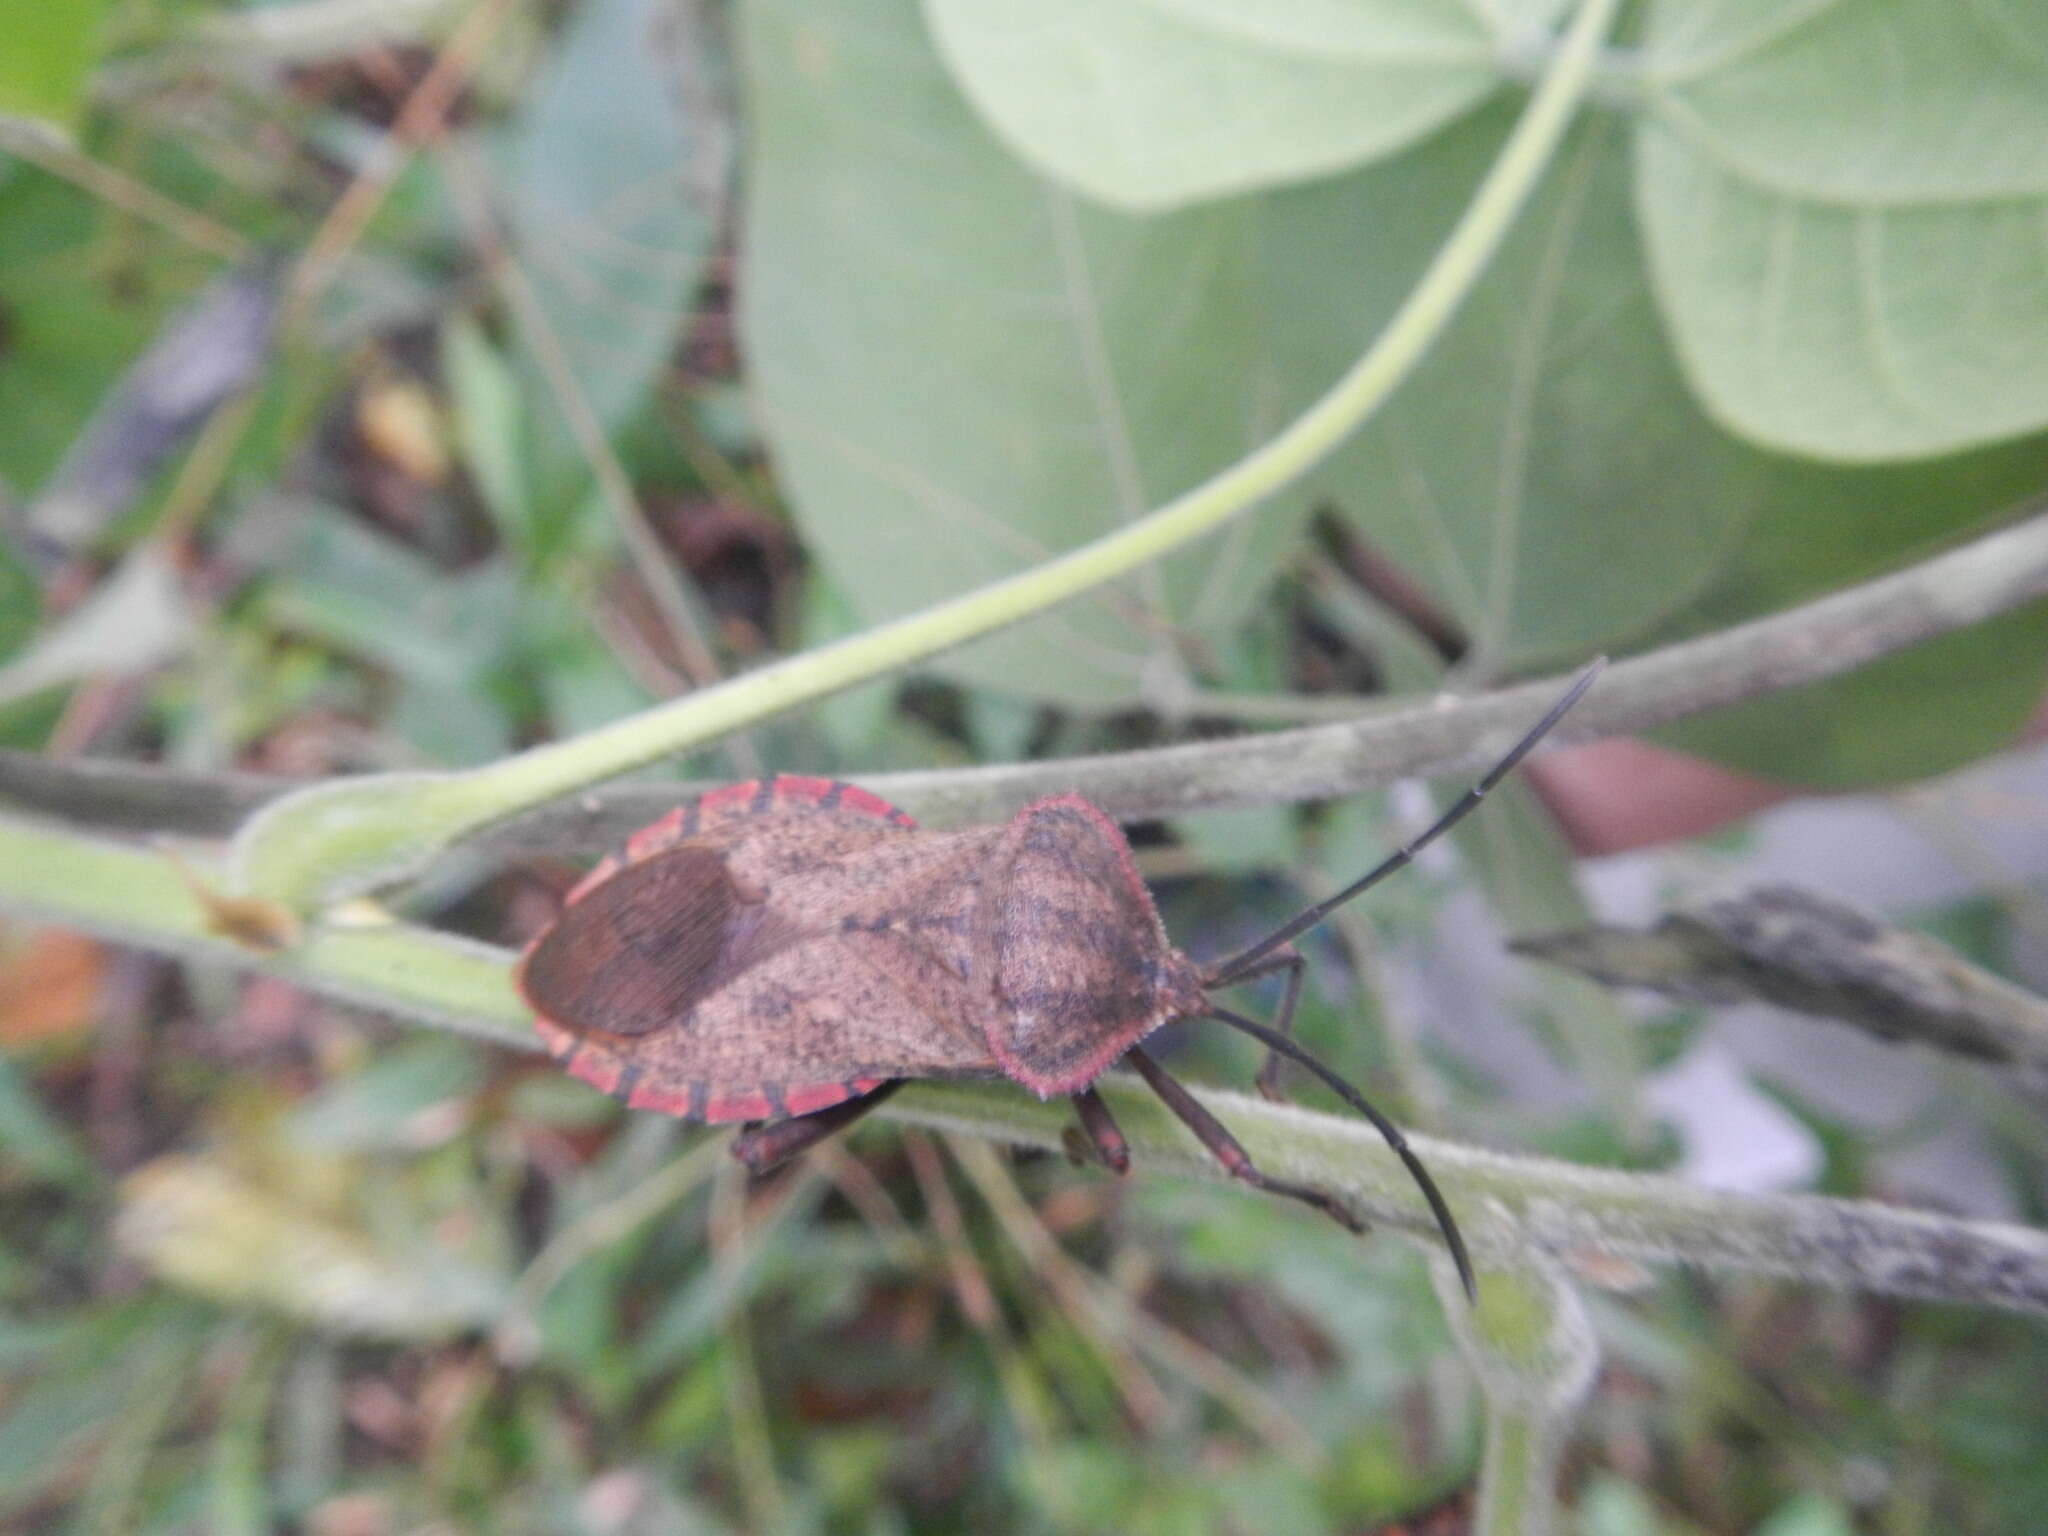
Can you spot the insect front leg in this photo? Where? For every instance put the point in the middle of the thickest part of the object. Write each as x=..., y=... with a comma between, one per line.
x=1289, y=959
x=762, y=1147
x=1229, y=1151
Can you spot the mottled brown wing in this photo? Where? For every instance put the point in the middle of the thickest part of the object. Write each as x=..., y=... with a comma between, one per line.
x=728, y=964
x=642, y=949
x=820, y=1020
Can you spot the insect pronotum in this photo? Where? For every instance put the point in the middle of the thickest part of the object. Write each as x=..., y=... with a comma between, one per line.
x=788, y=952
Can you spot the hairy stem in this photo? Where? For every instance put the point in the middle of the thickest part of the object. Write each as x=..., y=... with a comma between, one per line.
x=1509, y=1205
x=1824, y=638
x=1534, y=1353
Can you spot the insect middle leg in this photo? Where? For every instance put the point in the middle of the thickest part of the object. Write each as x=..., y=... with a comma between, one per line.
x=1289, y=959
x=1103, y=1134
x=762, y=1147
x=1229, y=1151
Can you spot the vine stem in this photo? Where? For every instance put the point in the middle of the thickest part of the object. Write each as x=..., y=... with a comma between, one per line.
x=333, y=840
x=1596, y=1220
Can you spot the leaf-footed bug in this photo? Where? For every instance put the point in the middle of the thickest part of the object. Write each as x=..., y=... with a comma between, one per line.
x=789, y=952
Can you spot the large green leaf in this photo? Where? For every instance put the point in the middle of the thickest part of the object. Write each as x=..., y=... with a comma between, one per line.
x=1879, y=101
x=49, y=50
x=1150, y=104
x=962, y=370
x=72, y=317
x=445, y=637
x=1556, y=487
x=614, y=170
x=1844, y=205
x=1925, y=711
x=1544, y=472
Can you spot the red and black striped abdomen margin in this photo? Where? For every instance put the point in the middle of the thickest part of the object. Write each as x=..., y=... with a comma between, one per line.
x=707, y=1103
x=736, y=802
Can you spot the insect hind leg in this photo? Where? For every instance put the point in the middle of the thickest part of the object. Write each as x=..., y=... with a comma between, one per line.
x=764, y=1147
x=1229, y=1151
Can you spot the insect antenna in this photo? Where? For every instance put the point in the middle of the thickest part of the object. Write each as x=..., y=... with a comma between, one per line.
x=1227, y=971
x=1273, y=1040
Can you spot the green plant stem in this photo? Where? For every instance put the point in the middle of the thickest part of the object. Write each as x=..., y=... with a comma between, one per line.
x=1534, y=1353
x=240, y=1485
x=1518, y=1466
x=321, y=844
x=120, y=891
x=130, y=893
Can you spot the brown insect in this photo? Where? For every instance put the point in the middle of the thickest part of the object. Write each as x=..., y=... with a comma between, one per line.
x=787, y=953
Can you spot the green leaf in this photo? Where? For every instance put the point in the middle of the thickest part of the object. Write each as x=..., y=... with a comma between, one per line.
x=379, y=1107
x=490, y=424
x=613, y=173
x=240, y=1496
x=51, y=47
x=1555, y=486
x=1544, y=473
x=35, y=1140
x=76, y=1393
x=1153, y=104
x=21, y=601
x=1843, y=206
x=76, y=315
x=1527, y=869
x=138, y=618
x=1612, y=1507
x=1925, y=711
x=1808, y=1514
x=963, y=370
x=1255, y=839
x=364, y=593
x=1878, y=101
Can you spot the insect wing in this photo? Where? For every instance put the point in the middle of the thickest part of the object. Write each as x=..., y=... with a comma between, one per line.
x=644, y=948
x=821, y=1020
x=709, y=972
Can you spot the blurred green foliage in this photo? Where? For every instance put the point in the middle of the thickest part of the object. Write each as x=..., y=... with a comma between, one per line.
x=269, y=1266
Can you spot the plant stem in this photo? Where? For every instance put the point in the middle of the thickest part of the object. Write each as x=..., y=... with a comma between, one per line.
x=123, y=892
x=1835, y=634
x=1534, y=1353
x=1576, y=1213
x=324, y=843
x=1518, y=1469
